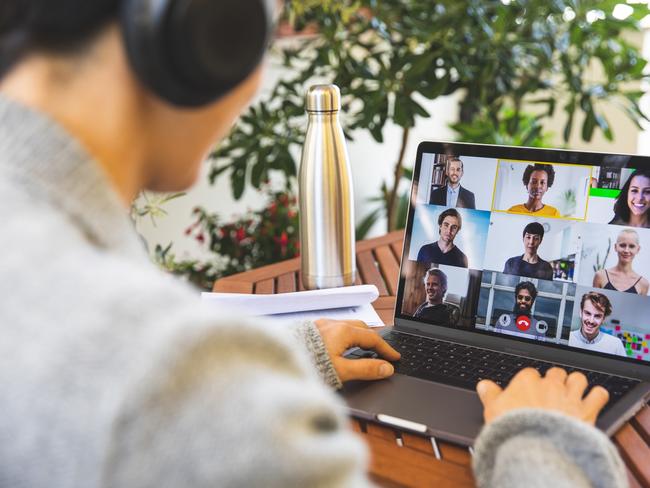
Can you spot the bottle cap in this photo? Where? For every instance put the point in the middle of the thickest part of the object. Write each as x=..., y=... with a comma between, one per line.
x=323, y=98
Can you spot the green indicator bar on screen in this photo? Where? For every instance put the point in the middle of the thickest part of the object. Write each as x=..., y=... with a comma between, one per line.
x=604, y=192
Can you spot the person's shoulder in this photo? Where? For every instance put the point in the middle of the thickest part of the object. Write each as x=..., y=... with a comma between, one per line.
x=427, y=247
x=613, y=342
x=644, y=285
x=520, y=208
x=459, y=252
x=542, y=263
x=550, y=211
x=513, y=260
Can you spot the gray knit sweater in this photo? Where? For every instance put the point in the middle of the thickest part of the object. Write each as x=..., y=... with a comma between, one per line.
x=112, y=375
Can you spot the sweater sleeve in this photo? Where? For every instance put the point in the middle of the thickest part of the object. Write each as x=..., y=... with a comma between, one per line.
x=308, y=336
x=230, y=406
x=538, y=448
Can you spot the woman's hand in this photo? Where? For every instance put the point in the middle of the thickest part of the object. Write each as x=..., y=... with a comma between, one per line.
x=556, y=391
x=341, y=335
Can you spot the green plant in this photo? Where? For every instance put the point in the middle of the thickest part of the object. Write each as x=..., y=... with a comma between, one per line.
x=601, y=265
x=569, y=204
x=201, y=274
x=388, y=56
x=151, y=205
x=254, y=239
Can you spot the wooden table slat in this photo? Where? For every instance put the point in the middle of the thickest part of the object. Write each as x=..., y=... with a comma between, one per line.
x=634, y=451
x=233, y=286
x=376, y=430
x=355, y=425
x=418, y=442
x=369, y=272
x=286, y=282
x=641, y=423
x=396, y=247
x=265, y=287
x=389, y=267
x=301, y=286
x=455, y=454
x=410, y=467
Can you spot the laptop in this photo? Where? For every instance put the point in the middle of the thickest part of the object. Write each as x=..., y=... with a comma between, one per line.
x=516, y=257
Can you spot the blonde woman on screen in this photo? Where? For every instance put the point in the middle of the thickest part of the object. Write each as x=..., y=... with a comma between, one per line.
x=622, y=277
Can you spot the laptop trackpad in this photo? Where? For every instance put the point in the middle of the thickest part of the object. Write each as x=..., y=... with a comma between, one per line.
x=448, y=412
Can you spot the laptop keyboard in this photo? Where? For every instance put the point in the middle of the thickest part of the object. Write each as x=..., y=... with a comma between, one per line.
x=464, y=366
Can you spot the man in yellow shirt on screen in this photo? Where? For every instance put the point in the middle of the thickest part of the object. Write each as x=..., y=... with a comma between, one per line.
x=538, y=178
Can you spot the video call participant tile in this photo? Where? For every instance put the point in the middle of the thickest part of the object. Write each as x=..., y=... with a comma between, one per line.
x=441, y=295
x=451, y=180
x=527, y=308
x=620, y=196
x=614, y=258
x=611, y=322
x=535, y=248
x=449, y=236
x=542, y=189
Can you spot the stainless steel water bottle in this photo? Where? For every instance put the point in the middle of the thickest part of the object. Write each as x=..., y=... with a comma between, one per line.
x=325, y=194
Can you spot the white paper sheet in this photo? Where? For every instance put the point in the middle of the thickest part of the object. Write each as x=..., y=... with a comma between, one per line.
x=348, y=302
x=365, y=313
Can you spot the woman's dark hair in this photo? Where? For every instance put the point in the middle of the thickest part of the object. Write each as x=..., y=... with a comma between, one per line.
x=50, y=25
x=550, y=173
x=534, y=228
x=621, y=209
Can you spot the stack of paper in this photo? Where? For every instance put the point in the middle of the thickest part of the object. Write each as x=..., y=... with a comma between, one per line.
x=345, y=303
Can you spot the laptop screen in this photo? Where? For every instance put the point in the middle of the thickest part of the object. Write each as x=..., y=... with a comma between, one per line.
x=539, y=245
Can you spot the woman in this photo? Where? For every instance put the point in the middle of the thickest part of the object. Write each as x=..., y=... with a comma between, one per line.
x=537, y=179
x=631, y=206
x=110, y=373
x=622, y=277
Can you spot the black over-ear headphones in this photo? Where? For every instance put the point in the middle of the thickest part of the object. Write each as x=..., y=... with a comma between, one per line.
x=191, y=52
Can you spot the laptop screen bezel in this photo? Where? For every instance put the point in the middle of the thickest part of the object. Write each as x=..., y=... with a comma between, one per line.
x=549, y=352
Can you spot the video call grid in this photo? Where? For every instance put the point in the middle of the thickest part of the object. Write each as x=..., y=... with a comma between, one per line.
x=588, y=184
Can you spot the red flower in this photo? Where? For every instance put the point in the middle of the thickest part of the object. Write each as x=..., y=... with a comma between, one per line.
x=201, y=238
x=240, y=235
x=284, y=240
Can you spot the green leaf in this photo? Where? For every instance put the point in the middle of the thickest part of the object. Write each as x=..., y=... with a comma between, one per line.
x=367, y=223
x=589, y=125
x=402, y=210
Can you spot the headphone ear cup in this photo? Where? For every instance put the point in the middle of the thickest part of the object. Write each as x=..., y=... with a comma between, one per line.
x=191, y=52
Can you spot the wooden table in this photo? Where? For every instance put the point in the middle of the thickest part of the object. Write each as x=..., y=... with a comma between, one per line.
x=401, y=458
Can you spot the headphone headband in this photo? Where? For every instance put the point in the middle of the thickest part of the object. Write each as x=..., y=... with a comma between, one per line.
x=191, y=52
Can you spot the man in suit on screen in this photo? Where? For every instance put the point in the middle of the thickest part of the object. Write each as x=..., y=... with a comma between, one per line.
x=453, y=194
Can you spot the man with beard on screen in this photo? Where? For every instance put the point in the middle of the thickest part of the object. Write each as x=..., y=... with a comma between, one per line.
x=520, y=322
